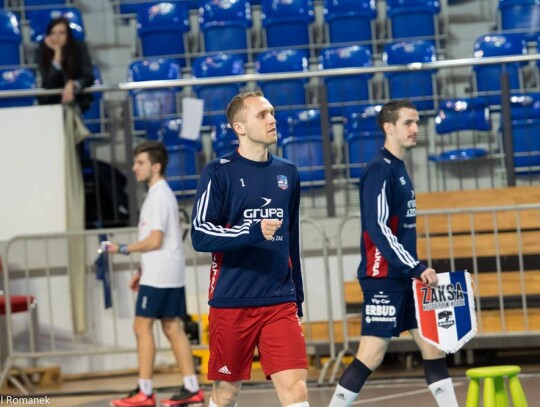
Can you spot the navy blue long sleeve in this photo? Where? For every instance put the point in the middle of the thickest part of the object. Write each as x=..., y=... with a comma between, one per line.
x=234, y=194
x=388, y=216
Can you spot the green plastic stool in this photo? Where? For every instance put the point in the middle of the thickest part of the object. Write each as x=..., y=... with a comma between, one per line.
x=494, y=389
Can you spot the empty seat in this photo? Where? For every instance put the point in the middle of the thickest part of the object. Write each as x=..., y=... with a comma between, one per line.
x=225, y=26
x=454, y=117
x=287, y=92
x=350, y=21
x=522, y=16
x=525, y=121
x=217, y=97
x=92, y=117
x=347, y=89
x=224, y=140
x=131, y=7
x=30, y=6
x=15, y=79
x=411, y=19
x=10, y=39
x=416, y=85
x=304, y=149
x=287, y=22
x=462, y=114
x=40, y=20
x=161, y=28
x=487, y=77
x=363, y=135
x=151, y=106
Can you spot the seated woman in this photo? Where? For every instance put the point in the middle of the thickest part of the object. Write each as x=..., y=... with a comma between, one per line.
x=65, y=63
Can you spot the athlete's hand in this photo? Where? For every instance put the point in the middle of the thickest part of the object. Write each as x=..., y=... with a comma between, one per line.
x=134, y=282
x=429, y=277
x=269, y=227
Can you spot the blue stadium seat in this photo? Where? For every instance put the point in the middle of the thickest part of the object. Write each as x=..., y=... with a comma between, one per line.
x=344, y=90
x=225, y=25
x=418, y=86
x=30, y=6
x=14, y=79
x=287, y=22
x=161, y=29
x=521, y=16
x=487, y=77
x=181, y=172
x=10, y=39
x=224, y=140
x=152, y=106
x=40, y=20
x=92, y=117
x=363, y=135
x=350, y=21
x=525, y=120
x=217, y=97
x=132, y=7
x=456, y=115
x=411, y=19
x=462, y=114
x=288, y=92
x=304, y=149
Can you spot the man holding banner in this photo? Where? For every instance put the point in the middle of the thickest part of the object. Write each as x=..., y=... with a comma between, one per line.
x=389, y=262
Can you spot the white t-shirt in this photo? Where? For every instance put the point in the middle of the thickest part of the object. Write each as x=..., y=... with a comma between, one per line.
x=164, y=267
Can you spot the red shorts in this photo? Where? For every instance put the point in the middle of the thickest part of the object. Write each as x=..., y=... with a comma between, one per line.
x=235, y=332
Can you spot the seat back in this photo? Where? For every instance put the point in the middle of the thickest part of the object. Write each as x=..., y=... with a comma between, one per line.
x=520, y=16
x=307, y=154
x=217, y=97
x=363, y=136
x=223, y=138
x=14, y=79
x=30, y=6
x=411, y=19
x=344, y=90
x=525, y=122
x=350, y=20
x=286, y=22
x=462, y=114
x=10, y=39
x=487, y=77
x=40, y=20
x=161, y=29
x=289, y=92
x=225, y=26
x=418, y=86
x=151, y=106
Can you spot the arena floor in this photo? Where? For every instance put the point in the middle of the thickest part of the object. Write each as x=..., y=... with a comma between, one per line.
x=392, y=386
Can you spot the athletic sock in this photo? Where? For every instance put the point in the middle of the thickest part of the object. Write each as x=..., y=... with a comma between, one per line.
x=145, y=385
x=342, y=397
x=444, y=393
x=350, y=384
x=191, y=383
x=302, y=404
x=212, y=404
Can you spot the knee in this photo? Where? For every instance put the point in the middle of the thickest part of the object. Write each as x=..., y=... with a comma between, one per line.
x=299, y=390
x=225, y=397
x=172, y=329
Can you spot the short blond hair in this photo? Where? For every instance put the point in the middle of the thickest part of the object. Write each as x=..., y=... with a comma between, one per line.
x=236, y=105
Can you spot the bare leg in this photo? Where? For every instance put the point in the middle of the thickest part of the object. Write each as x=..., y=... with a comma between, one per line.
x=181, y=348
x=146, y=348
x=224, y=394
x=291, y=386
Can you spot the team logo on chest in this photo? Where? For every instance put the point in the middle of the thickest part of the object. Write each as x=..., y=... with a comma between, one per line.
x=282, y=182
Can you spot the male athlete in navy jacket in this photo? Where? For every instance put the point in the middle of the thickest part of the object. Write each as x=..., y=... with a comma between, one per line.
x=246, y=213
x=389, y=262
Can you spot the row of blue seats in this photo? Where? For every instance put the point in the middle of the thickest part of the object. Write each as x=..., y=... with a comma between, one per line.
x=363, y=138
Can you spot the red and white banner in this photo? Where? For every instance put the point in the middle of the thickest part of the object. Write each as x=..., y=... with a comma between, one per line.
x=446, y=314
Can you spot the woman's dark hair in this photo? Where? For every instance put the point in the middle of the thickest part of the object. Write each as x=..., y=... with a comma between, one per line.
x=70, y=59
